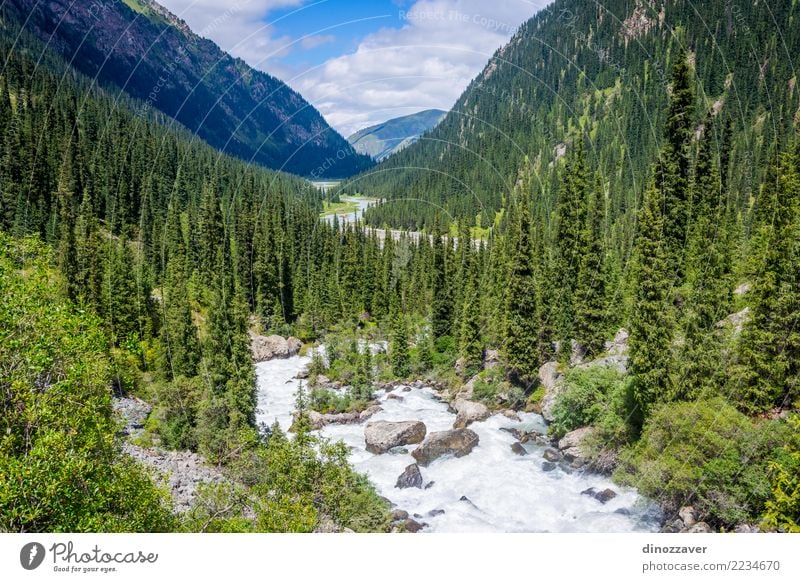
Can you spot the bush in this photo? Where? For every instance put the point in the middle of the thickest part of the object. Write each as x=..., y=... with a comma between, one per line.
x=706, y=454
x=61, y=469
x=783, y=507
x=586, y=398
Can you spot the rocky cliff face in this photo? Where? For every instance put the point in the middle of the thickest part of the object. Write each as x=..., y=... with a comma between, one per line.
x=142, y=48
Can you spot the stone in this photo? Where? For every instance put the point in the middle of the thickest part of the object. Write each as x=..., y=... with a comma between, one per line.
x=491, y=359
x=515, y=432
x=603, y=496
x=617, y=362
x=273, y=346
x=552, y=455
x=399, y=514
x=382, y=435
x=468, y=412
x=369, y=412
x=398, y=451
x=619, y=345
x=435, y=512
x=412, y=525
x=550, y=379
x=457, y=442
x=575, y=438
x=518, y=449
x=467, y=390
x=746, y=528
x=735, y=321
x=688, y=516
x=742, y=289
x=393, y=396
x=578, y=353
x=322, y=380
x=699, y=527
x=547, y=466
x=430, y=484
x=511, y=415
x=410, y=477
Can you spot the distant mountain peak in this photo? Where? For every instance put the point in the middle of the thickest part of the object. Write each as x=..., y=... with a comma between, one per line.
x=384, y=139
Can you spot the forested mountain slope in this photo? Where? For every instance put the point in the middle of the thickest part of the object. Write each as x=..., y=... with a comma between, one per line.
x=599, y=69
x=141, y=47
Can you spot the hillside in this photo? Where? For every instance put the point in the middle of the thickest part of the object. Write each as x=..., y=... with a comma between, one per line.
x=387, y=138
x=600, y=70
x=141, y=47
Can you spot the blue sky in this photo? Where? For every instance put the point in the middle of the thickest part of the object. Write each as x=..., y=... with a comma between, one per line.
x=361, y=62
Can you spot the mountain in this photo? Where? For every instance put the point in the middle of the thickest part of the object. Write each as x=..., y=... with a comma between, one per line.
x=142, y=48
x=387, y=138
x=601, y=70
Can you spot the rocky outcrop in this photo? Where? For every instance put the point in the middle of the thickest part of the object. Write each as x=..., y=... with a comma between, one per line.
x=184, y=471
x=457, y=442
x=573, y=446
x=273, y=346
x=468, y=412
x=618, y=362
x=382, y=435
x=491, y=359
x=619, y=345
x=410, y=477
x=735, y=321
x=550, y=379
x=467, y=390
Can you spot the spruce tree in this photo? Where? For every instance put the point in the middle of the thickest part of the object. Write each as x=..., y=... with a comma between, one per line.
x=651, y=322
x=398, y=347
x=441, y=309
x=470, y=344
x=521, y=337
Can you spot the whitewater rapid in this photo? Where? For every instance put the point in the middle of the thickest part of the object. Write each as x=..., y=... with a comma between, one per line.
x=490, y=490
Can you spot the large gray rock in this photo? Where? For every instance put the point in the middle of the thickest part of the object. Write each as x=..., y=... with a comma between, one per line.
x=619, y=362
x=551, y=380
x=458, y=442
x=491, y=359
x=467, y=390
x=573, y=445
x=735, y=321
x=382, y=435
x=468, y=412
x=273, y=346
x=410, y=477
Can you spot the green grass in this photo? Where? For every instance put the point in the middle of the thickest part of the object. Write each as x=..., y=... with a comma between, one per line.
x=331, y=208
x=136, y=6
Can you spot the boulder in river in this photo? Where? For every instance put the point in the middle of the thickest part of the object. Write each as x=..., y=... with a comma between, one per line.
x=574, y=447
x=457, y=442
x=412, y=525
x=518, y=449
x=410, y=477
x=603, y=496
x=547, y=466
x=369, y=412
x=552, y=455
x=382, y=435
x=273, y=346
x=468, y=412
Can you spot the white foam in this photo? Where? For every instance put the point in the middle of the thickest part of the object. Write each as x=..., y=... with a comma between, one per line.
x=505, y=492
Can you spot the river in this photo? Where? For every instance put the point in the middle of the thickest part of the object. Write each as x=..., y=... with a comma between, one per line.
x=490, y=490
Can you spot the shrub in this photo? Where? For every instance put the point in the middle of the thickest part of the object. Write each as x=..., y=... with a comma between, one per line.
x=585, y=398
x=783, y=507
x=706, y=454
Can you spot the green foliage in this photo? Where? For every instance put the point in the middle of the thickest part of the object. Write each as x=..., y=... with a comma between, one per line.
x=705, y=454
x=60, y=464
x=586, y=398
x=783, y=508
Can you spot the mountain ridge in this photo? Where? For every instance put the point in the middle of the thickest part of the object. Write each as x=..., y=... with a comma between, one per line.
x=393, y=135
x=141, y=47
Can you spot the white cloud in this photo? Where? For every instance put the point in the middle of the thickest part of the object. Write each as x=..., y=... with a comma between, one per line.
x=426, y=63
x=240, y=27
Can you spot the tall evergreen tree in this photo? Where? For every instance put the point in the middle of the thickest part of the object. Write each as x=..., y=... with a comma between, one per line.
x=521, y=338
x=651, y=322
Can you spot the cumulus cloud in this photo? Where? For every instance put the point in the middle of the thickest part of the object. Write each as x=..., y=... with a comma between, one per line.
x=424, y=63
x=427, y=63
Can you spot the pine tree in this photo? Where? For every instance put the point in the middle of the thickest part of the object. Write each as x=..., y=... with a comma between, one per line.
x=521, y=338
x=651, y=324
x=590, y=293
x=398, y=349
x=767, y=370
x=441, y=310
x=674, y=164
x=470, y=347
